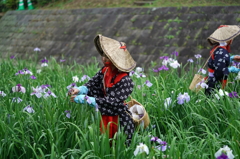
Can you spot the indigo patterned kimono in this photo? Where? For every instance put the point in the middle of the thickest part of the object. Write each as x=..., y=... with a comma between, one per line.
x=218, y=68
x=111, y=102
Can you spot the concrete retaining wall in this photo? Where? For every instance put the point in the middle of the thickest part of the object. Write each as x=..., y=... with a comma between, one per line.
x=148, y=32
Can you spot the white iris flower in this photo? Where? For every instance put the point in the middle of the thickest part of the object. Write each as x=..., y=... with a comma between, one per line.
x=141, y=148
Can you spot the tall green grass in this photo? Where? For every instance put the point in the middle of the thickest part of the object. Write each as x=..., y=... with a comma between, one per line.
x=76, y=4
x=194, y=130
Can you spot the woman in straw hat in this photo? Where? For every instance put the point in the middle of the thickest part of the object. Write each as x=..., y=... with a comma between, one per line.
x=219, y=61
x=110, y=87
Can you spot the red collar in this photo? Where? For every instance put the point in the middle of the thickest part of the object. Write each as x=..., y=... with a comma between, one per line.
x=109, y=74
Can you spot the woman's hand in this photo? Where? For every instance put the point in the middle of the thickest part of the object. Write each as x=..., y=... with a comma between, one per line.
x=72, y=98
x=236, y=58
x=73, y=91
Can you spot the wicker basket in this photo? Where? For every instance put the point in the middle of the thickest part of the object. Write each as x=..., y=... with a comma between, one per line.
x=145, y=117
x=196, y=79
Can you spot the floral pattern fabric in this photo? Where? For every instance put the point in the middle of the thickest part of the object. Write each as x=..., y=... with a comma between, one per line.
x=112, y=103
x=220, y=65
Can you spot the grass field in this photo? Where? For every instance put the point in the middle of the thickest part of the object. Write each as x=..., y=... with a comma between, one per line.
x=76, y=4
x=48, y=125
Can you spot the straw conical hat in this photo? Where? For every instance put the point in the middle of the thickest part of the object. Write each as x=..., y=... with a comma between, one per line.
x=116, y=51
x=224, y=33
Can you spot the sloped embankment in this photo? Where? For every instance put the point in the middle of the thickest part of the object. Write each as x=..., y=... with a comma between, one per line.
x=148, y=32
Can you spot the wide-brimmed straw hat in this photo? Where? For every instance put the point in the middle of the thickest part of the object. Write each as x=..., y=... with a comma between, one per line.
x=224, y=33
x=116, y=51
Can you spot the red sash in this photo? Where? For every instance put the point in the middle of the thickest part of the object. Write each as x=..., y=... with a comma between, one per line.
x=110, y=123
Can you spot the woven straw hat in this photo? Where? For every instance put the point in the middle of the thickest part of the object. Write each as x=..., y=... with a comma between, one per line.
x=224, y=33
x=116, y=51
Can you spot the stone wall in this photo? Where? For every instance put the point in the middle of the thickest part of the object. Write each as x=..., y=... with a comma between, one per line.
x=148, y=32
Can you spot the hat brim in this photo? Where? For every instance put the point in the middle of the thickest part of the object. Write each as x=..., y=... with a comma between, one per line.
x=120, y=57
x=224, y=34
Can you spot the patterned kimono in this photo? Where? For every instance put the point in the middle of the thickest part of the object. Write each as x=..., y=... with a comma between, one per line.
x=218, y=68
x=111, y=101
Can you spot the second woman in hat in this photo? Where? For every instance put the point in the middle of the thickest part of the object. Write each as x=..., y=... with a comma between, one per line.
x=219, y=60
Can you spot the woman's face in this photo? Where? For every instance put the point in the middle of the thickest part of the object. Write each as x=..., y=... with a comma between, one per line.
x=105, y=59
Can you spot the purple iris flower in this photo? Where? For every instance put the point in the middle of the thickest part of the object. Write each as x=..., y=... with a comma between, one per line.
x=33, y=77
x=198, y=56
x=44, y=61
x=180, y=100
x=141, y=75
x=62, y=60
x=162, y=146
x=233, y=95
x=44, y=86
x=12, y=57
x=175, y=53
x=84, y=77
x=20, y=72
x=164, y=57
x=49, y=93
x=131, y=73
x=2, y=94
x=19, y=87
x=236, y=63
x=71, y=86
x=222, y=156
x=37, y=49
x=88, y=100
x=190, y=60
x=17, y=99
x=155, y=139
x=183, y=98
x=164, y=68
x=29, y=109
x=68, y=115
x=148, y=83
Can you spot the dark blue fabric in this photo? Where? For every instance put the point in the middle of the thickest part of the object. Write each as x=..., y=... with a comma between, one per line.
x=220, y=65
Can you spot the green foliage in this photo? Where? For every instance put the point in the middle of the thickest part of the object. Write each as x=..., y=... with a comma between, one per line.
x=8, y=5
x=75, y=4
x=187, y=37
x=134, y=42
x=133, y=20
x=169, y=36
x=200, y=47
x=175, y=20
x=196, y=129
x=238, y=20
x=178, y=32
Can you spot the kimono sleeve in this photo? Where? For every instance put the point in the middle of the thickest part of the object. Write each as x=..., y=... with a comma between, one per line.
x=95, y=85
